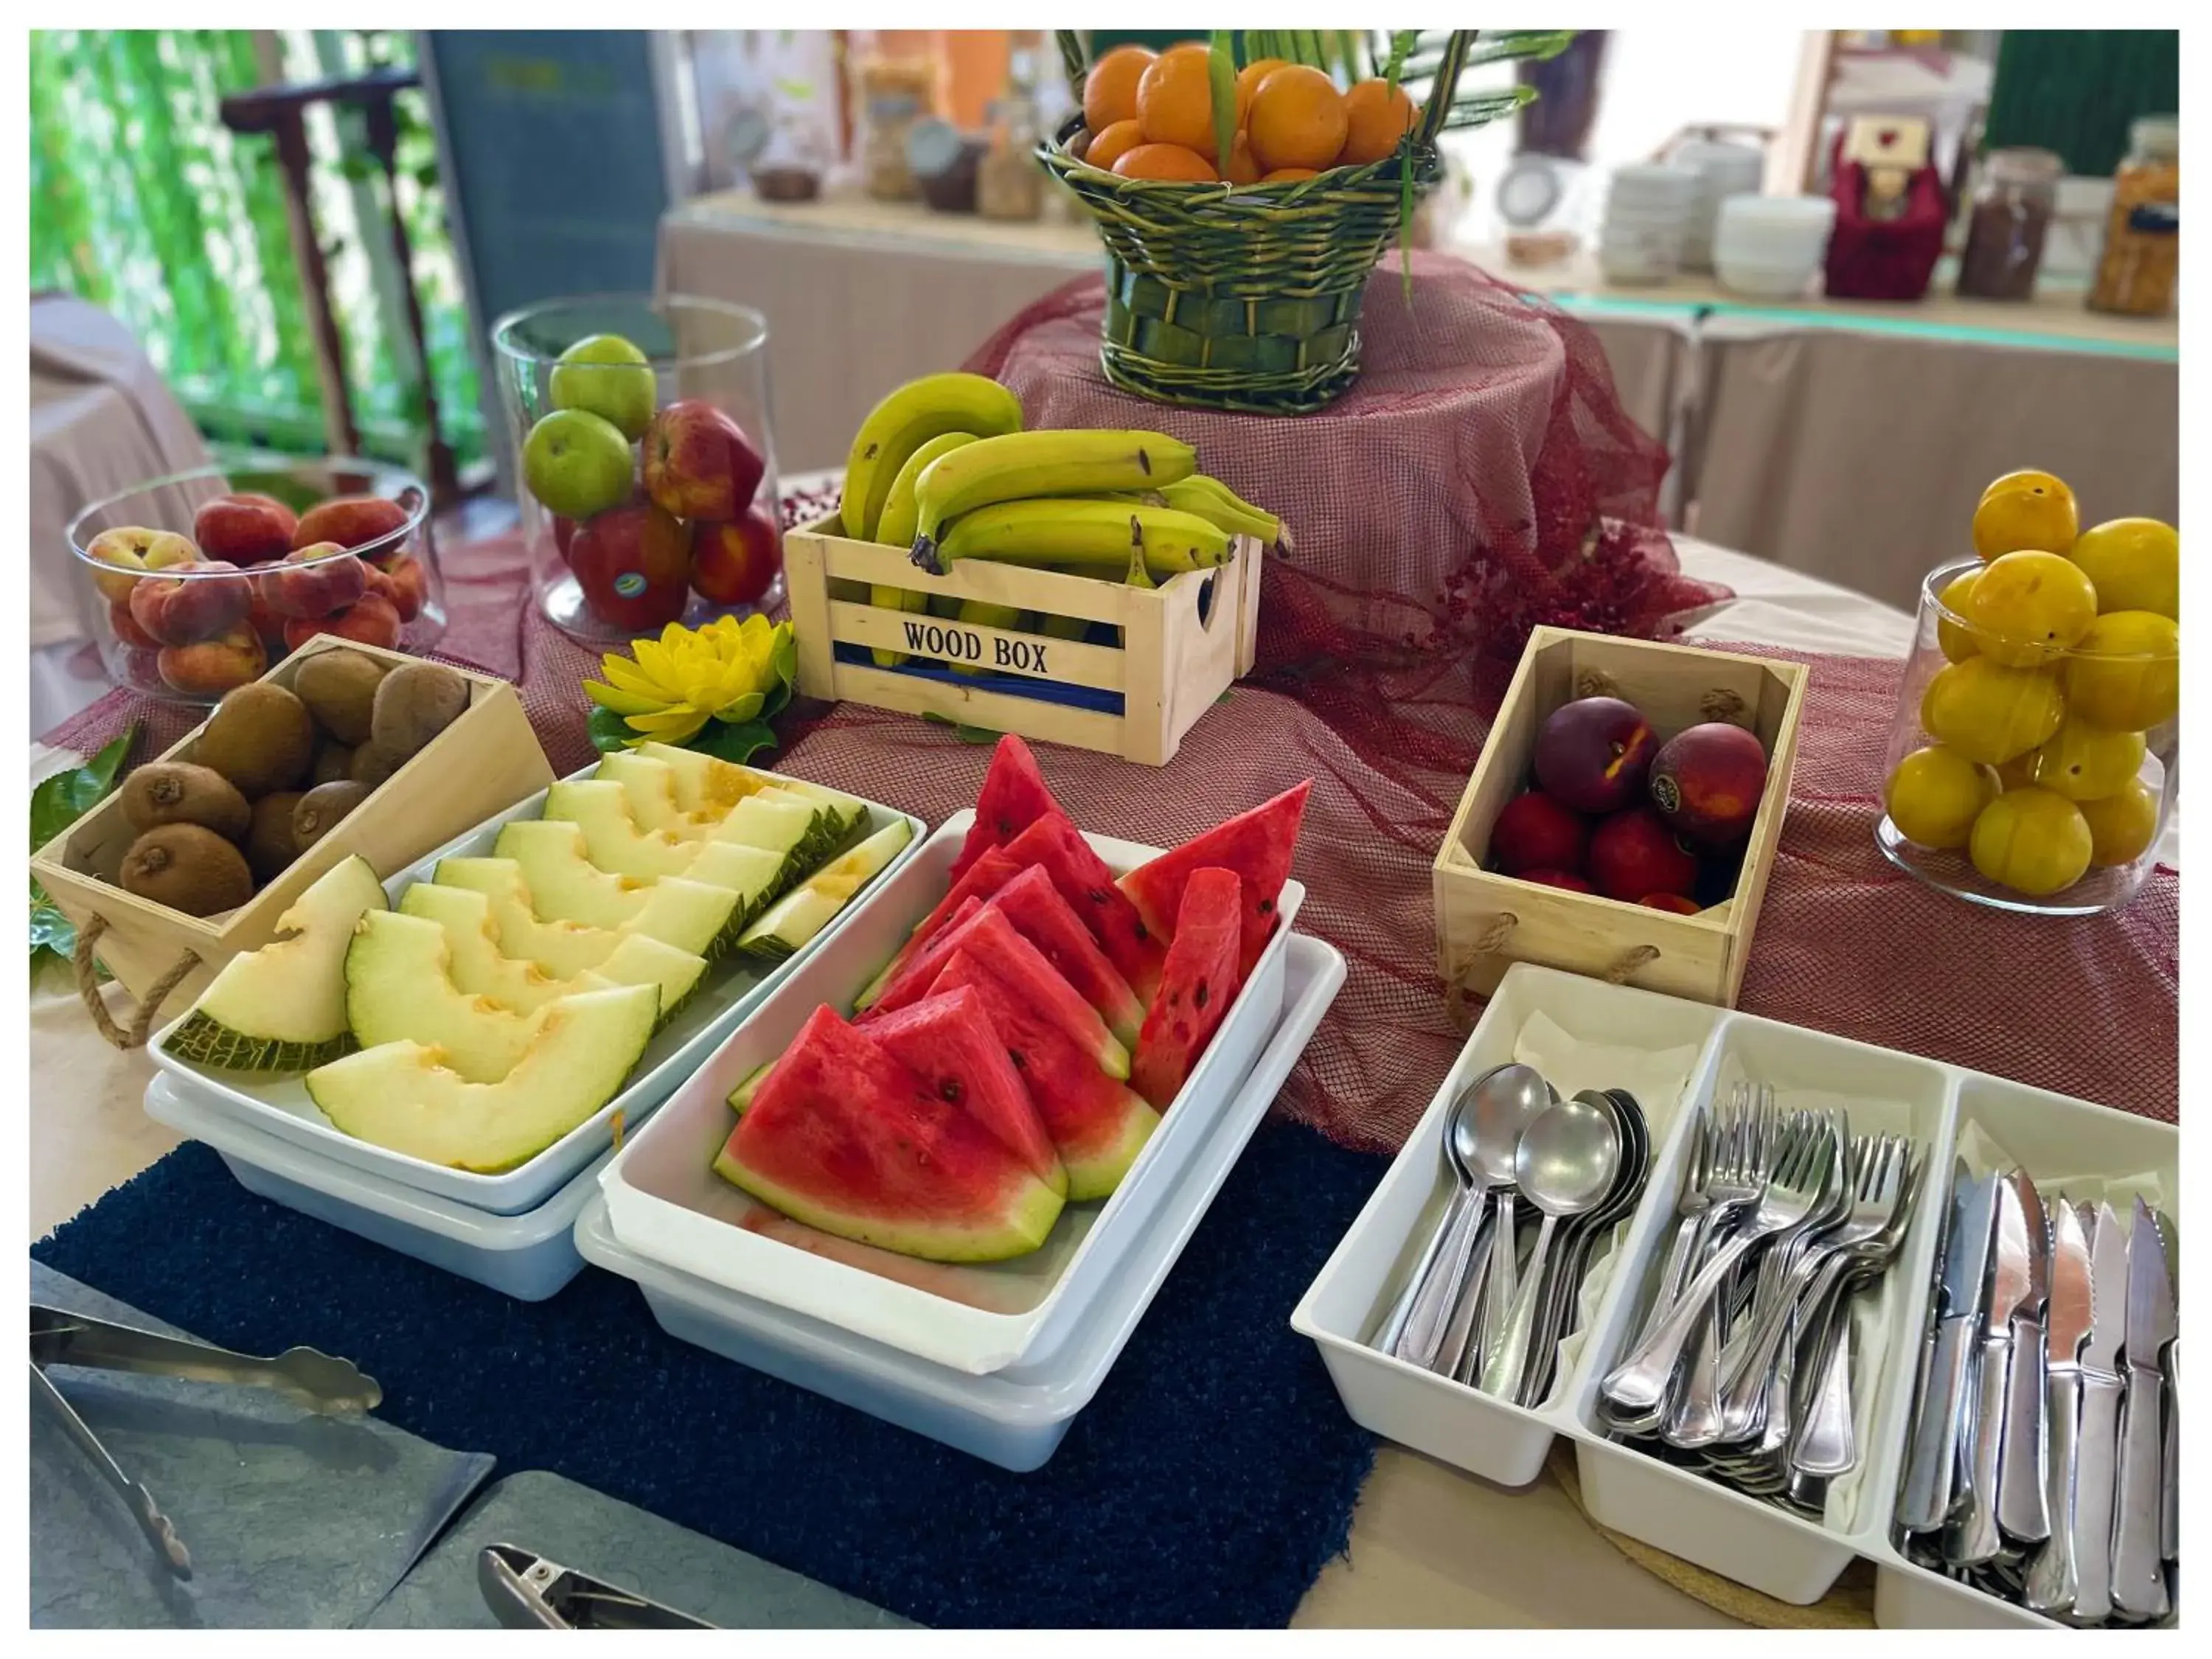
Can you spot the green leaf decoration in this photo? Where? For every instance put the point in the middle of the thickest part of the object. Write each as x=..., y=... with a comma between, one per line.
x=964, y=733
x=736, y=744
x=1221, y=75
x=1401, y=45
x=1530, y=46
x=56, y=804
x=609, y=733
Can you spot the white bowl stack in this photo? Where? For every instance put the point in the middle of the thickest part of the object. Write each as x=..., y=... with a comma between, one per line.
x=1772, y=246
x=1722, y=171
x=1648, y=214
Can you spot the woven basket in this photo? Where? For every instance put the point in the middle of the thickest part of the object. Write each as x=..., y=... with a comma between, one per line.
x=1246, y=297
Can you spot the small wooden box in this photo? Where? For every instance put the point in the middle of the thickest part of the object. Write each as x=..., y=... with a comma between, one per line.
x=481, y=764
x=1182, y=644
x=1486, y=922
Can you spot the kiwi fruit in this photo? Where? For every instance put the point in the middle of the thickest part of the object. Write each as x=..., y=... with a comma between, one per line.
x=371, y=765
x=333, y=765
x=271, y=844
x=321, y=807
x=177, y=792
x=339, y=688
x=415, y=703
x=260, y=736
x=187, y=867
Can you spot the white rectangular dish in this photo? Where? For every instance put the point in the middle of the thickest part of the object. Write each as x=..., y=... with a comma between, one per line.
x=665, y=1201
x=1017, y=1417
x=529, y=1256
x=2082, y=1150
x=281, y=1106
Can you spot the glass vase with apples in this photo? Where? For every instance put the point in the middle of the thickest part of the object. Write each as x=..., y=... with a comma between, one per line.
x=644, y=460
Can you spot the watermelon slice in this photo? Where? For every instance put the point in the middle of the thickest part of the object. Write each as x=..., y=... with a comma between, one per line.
x=1198, y=982
x=1040, y=915
x=991, y=939
x=1013, y=796
x=1088, y=886
x=948, y=1042
x=1099, y=1125
x=921, y=971
x=844, y=1138
x=984, y=878
x=1257, y=845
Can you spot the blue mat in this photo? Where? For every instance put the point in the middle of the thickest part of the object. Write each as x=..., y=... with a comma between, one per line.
x=1206, y=1485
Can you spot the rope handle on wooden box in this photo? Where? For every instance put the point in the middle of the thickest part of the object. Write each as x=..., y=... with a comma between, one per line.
x=88, y=987
x=1492, y=941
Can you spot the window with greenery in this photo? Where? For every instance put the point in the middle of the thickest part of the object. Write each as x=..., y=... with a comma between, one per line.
x=144, y=202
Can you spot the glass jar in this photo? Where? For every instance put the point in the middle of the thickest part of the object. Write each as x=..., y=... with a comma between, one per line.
x=183, y=601
x=1010, y=183
x=2005, y=228
x=895, y=93
x=622, y=542
x=2142, y=233
x=2043, y=783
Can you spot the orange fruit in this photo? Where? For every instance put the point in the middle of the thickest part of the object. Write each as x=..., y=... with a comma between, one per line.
x=1109, y=91
x=2026, y=510
x=1248, y=79
x=1175, y=99
x=1242, y=168
x=1298, y=120
x=1376, y=115
x=1288, y=175
x=1111, y=145
x=1165, y=161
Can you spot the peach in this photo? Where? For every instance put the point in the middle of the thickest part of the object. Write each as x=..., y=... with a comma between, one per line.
x=141, y=668
x=1594, y=754
x=351, y=521
x=1534, y=832
x=370, y=620
x=133, y=549
x=313, y=581
x=1633, y=854
x=245, y=529
x=1706, y=782
x=734, y=562
x=213, y=666
x=126, y=627
x=267, y=624
x=408, y=586
x=199, y=600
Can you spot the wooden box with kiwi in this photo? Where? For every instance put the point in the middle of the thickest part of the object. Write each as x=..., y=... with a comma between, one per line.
x=342, y=748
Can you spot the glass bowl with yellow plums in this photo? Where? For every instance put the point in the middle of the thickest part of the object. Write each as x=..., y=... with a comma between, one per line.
x=2034, y=757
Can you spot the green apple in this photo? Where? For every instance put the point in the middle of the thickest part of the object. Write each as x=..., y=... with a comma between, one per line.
x=607, y=375
x=577, y=463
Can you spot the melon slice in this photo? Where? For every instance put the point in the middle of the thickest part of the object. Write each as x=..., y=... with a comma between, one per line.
x=705, y=787
x=1257, y=845
x=793, y=920
x=282, y=1008
x=400, y=988
x=397, y=1095
x=649, y=784
x=949, y=1042
x=984, y=878
x=562, y=949
x=913, y=982
x=844, y=1138
x=612, y=839
x=781, y=825
x=1088, y=886
x=563, y=881
x=755, y=876
x=1040, y=915
x=1197, y=985
x=479, y=968
x=1097, y=1125
x=1013, y=797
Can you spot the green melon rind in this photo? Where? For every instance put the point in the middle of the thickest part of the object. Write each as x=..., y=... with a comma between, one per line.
x=1024, y=1222
x=209, y=1043
x=1097, y=1173
x=797, y=919
x=742, y=1096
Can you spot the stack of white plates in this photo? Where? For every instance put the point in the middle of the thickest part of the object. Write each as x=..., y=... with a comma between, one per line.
x=1723, y=170
x=1647, y=213
x=1771, y=246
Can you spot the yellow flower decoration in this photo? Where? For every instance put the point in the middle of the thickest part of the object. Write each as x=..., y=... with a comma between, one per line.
x=667, y=689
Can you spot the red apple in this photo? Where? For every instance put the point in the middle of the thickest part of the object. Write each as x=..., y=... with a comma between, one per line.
x=1533, y=832
x=195, y=600
x=314, y=581
x=1675, y=902
x=734, y=562
x=564, y=532
x=369, y=620
x=1633, y=854
x=1593, y=754
x=245, y=529
x=1707, y=782
x=1567, y=878
x=698, y=462
x=633, y=564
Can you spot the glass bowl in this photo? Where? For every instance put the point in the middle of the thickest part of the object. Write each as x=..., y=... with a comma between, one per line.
x=2043, y=783
x=640, y=506
x=179, y=581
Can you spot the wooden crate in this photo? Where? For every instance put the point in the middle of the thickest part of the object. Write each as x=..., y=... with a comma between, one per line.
x=1486, y=922
x=481, y=764
x=1184, y=643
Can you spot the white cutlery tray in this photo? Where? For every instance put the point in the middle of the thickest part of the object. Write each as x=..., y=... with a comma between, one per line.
x=2066, y=1144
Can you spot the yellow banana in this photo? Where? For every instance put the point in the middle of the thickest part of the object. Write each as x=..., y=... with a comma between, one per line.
x=1026, y=466
x=1064, y=628
x=1100, y=537
x=981, y=613
x=1137, y=576
x=1221, y=507
x=909, y=418
x=895, y=529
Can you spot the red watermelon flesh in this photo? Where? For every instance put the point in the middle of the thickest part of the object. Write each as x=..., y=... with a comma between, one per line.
x=947, y=1040
x=1087, y=884
x=1013, y=796
x=1040, y=915
x=1257, y=845
x=843, y=1138
x=913, y=980
x=984, y=878
x=1197, y=986
x=991, y=939
x=1098, y=1125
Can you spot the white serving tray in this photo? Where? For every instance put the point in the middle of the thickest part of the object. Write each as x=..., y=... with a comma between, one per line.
x=2083, y=1150
x=528, y=1257
x=1017, y=1417
x=665, y=1201
x=281, y=1107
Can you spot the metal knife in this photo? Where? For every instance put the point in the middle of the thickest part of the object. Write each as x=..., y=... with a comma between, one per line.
x=2051, y=1576
x=2097, y=1442
x=2022, y=1477
x=1973, y=1537
x=2169, y=1522
x=2138, y=1579
x=1932, y=1460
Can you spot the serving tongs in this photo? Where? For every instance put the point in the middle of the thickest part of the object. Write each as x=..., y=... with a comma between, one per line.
x=525, y=1591
x=313, y=1381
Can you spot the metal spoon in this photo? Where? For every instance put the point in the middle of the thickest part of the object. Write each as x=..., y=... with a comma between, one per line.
x=1516, y=1095
x=1565, y=1165
x=1459, y=1134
